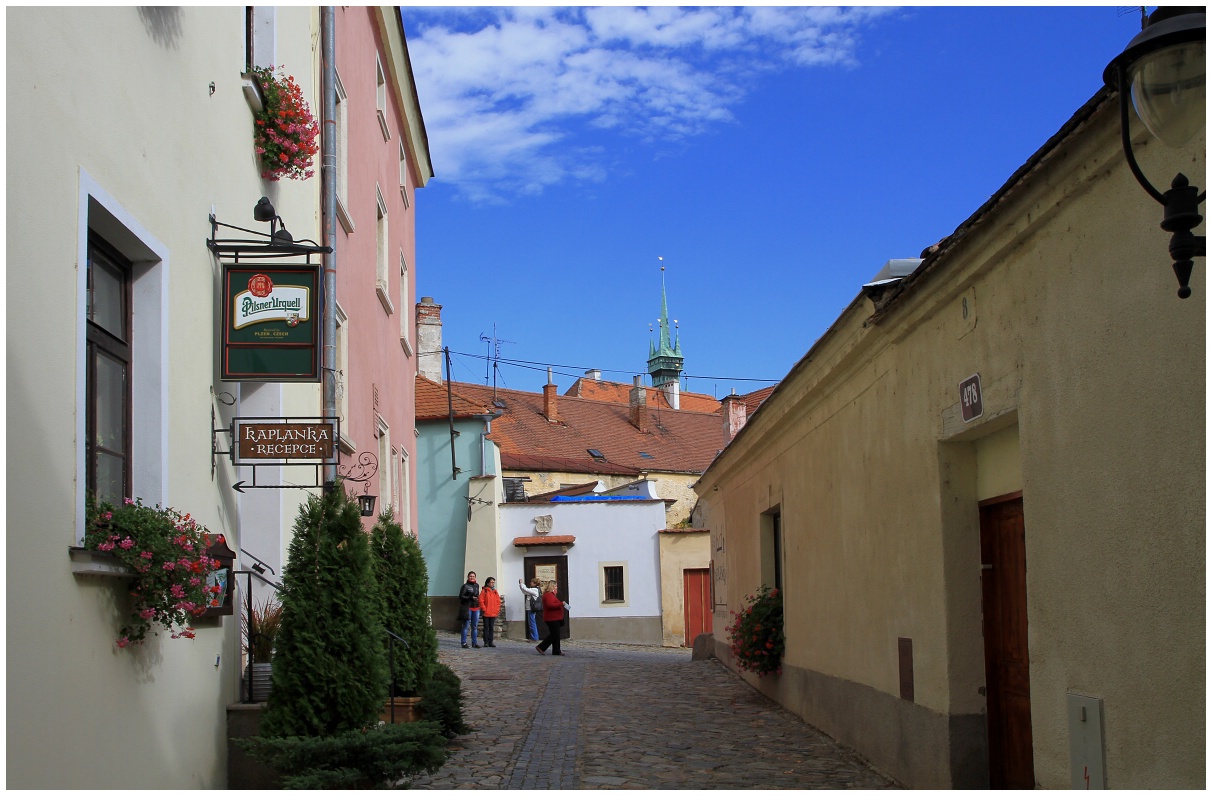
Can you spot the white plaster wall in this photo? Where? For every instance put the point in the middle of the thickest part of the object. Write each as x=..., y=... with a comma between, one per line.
x=119, y=99
x=607, y=531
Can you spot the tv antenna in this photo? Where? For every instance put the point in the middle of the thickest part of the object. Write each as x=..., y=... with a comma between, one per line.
x=494, y=353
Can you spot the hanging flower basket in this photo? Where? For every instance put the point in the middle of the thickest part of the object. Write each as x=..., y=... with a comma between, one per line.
x=166, y=552
x=286, y=132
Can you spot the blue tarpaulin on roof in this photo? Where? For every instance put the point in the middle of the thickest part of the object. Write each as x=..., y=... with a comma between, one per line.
x=583, y=498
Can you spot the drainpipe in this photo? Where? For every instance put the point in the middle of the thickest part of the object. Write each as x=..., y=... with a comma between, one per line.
x=484, y=440
x=328, y=188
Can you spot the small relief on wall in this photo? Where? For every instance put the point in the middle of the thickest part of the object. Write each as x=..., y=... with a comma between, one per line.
x=542, y=524
x=717, y=541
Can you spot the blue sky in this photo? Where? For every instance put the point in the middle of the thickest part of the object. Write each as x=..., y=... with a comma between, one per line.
x=774, y=157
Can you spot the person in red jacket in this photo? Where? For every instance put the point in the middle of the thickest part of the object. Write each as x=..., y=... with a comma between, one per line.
x=490, y=604
x=553, y=615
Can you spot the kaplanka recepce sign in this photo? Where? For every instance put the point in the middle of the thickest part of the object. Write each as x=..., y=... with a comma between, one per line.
x=271, y=328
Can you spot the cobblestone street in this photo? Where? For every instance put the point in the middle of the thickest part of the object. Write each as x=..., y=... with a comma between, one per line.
x=615, y=716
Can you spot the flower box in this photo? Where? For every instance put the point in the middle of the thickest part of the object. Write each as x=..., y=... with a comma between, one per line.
x=97, y=562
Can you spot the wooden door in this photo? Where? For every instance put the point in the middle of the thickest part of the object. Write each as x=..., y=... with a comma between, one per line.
x=544, y=567
x=1007, y=675
x=696, y=599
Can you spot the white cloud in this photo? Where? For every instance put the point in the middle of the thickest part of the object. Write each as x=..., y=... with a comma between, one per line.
x=503, y=91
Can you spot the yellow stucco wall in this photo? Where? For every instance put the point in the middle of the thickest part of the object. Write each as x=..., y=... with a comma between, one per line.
x=679, y=551
x=669, y=486
x=1093, y=376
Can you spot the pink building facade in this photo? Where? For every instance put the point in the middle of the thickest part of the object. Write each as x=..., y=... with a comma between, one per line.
x=382, y=159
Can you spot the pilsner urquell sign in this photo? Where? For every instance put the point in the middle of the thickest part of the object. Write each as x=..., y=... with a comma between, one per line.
x=271, y=324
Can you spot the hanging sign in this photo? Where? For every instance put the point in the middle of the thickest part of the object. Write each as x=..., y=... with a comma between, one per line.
x=271, y=323
x=261, y=439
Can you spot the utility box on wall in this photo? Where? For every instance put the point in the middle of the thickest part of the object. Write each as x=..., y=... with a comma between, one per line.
x=1086, y=751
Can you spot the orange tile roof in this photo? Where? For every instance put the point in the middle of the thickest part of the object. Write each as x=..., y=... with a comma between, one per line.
x=532, y=541
x=432, y=402
x=680, y=441
x=598, y=390
x=756, y=398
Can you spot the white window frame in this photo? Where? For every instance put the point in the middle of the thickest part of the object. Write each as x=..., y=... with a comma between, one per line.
x=626, y=601
x=405, y=332
x=404, y=175
x=381, y=97
x=341, y=139
x=382, y=275
x=102, y=213
x=405, y=501
x=383, y=432
x=341, y=379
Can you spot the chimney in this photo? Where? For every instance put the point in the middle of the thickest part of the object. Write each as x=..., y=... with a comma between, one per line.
x=673, y=393
x=549, y=400
x=429, y=339
x=639, y=405
x=735, y=415
x=593, y=374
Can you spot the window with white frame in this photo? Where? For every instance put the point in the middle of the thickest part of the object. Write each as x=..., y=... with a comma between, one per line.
x=341, y=378
x=260, y=37
x=385, y=461
x=122, y=355
x=395, y=477
x=381, y=97
x=404, y=175
x=404, y=305
x=341, y=140
x=612, y=583
x=403, y=501
x=381, y=272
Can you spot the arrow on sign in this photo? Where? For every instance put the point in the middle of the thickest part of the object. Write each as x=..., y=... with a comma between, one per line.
x=236, y=486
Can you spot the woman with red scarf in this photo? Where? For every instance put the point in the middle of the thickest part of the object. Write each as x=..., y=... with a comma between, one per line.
x=553, y=615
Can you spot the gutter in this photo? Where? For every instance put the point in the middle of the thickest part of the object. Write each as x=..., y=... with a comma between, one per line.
x=328, y=188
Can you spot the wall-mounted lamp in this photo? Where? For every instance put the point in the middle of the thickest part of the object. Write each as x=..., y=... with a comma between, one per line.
x=1162, y=72
x=264, y=211
x=367, y=504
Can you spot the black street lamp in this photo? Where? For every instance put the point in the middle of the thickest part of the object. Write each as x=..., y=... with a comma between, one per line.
x=1162, y=72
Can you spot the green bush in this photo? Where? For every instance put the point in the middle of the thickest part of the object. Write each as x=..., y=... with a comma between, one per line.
x=442, y=701
x=372, y=758
x=403, y=585
x=330, y=662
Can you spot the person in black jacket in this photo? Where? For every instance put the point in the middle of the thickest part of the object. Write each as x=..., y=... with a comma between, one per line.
x=469, y=609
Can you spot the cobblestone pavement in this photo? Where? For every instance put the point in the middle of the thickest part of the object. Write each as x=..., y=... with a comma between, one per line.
x=611, y=716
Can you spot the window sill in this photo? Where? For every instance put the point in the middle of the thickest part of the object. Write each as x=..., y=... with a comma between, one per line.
x=252, y=93
x=344, y=217
x=383, y=124
x=346, y=444
x=405, y=345
x=381, y=292
x=96, y=562
x=404, y=195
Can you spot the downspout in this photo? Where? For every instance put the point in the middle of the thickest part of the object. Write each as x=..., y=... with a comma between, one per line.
x=484, y=440
x=328, y=190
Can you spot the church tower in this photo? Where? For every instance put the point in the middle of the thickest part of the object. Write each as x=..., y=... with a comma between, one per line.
x=665, y=356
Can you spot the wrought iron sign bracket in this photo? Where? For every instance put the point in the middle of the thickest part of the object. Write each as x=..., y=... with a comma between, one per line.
x=310, y=438
x=261, y=247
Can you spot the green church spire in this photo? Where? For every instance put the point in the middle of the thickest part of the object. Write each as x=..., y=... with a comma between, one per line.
x=665, y=355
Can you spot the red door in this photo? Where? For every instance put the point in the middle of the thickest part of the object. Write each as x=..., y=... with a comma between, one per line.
x=1007, y=676
x=696, y=597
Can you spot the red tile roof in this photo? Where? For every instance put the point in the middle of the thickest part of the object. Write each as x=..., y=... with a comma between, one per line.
x=619, y=393
x=432, y=402
x=533, y=541
x=677, y=441
x=755, y=399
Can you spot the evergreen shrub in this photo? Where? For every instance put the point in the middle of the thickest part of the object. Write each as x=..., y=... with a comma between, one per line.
x=442, y=701
x=403, y=586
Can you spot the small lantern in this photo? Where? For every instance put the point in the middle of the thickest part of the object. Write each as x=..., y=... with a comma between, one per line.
x=220, y=603
x=367, y=504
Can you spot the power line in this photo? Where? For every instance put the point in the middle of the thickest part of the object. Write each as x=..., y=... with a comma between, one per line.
x=533, y=365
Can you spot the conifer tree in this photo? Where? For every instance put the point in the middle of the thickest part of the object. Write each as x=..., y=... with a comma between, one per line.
x=330, y=671
x=403, y=586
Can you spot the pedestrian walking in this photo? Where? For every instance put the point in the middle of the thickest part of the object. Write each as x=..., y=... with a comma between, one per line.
x=490, y=604
x=534, y=604
x=469, y=609
x=553, y=615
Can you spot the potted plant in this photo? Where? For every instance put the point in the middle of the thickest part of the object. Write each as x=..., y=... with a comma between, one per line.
x=260, y=629
x=165, y=552
x=285, y=131
x=403, y=585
